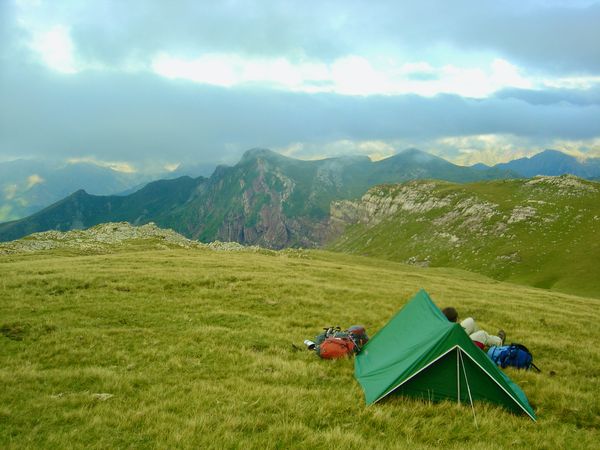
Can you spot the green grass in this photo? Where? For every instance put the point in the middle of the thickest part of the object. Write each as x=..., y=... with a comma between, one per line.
x=194, y=348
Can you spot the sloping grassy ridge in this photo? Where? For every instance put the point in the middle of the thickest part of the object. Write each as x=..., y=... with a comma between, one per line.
x=541, y=232
x=192, y=348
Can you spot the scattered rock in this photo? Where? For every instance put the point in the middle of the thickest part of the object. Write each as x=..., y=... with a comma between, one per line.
x=521, y=213
x=453, y=239
x=513, y=257
x=413, y=260
x=230, y=246
x=566, y=185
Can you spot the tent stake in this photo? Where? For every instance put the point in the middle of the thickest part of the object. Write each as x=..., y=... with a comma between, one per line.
x=469, y=391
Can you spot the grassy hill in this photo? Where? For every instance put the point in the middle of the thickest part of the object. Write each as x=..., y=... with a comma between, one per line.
x=134, y=346
x=541, y=232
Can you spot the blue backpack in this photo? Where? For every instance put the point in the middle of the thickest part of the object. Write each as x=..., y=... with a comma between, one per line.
x=514, y=355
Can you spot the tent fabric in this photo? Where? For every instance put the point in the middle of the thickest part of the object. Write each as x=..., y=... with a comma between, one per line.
x=419, y=353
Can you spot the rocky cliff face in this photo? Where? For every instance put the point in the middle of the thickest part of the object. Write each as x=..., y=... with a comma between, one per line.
x=383, y=201
x=259, y=216
x=258, y=202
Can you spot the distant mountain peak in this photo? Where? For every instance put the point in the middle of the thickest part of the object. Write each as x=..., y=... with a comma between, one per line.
x=415, y=155
x=553, y=154
x=480, y=166
x=553, y=162
x=265, y=153
x=418, y=154
x=412, y=151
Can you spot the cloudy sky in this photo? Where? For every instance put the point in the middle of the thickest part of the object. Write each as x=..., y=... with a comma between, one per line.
x=139, y=81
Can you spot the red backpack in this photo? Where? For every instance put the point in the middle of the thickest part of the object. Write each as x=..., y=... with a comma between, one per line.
x=336, y=347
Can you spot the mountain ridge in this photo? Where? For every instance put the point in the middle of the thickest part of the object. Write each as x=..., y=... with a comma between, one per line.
x=266, y=198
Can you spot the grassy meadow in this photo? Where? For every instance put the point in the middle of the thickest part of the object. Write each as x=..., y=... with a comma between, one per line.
x=193, y=349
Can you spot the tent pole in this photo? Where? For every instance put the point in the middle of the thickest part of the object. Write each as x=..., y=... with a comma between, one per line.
x=469, y=391
x=458, y=373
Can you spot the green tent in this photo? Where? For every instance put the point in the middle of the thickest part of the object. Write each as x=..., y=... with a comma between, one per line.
x=419, y=353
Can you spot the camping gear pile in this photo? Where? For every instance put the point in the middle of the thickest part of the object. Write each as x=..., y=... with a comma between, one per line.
x=334, y=343
x=420, y=353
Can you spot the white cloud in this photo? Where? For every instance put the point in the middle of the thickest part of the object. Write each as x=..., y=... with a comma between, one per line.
x=506, y=74
x=579, y=82
x=354, y=75
x=489, y=149
x=588, y=148
x=10, y=191
x=171, y=167
x=34, y=179
x=209, y=69
x=419, y=67
x=349, y=75
x=375, y=72
x=55, y=48
x=229, y=70
x=374, y=149
x=5, y=213
x=118, y=166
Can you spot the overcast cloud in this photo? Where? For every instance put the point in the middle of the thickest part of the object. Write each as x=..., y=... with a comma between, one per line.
x=190, y=81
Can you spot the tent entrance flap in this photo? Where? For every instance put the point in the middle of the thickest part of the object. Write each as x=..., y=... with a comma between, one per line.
x=442, y=381
x=445, y=379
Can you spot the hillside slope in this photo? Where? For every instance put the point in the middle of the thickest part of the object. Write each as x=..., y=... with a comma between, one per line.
x=266, y=199
x=541, y=232
x=192, y=348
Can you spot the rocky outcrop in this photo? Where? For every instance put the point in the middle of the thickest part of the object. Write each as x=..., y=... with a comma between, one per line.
x=564, y=185
x=109, y=237
x=384, y=201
